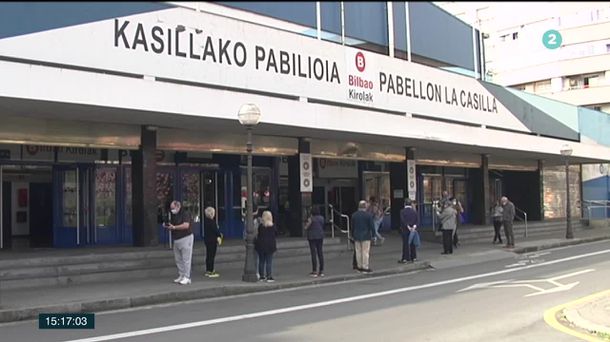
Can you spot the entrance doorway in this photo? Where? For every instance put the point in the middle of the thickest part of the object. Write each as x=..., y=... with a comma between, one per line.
x=26, y=213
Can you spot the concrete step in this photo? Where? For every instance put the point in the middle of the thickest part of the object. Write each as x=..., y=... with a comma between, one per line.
x=161, y=264
x=168, y=270
x=69, y=257
x=474, y=234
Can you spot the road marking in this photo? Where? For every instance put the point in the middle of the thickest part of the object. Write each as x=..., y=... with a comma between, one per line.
x=558, y=287
x=323, y=304
x=550, y=316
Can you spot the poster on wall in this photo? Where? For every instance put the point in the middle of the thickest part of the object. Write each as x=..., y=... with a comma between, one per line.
x=411, y=179
x=306, y=172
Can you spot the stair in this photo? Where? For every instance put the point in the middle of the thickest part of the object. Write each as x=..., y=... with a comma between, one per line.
x=476, y=234
x=64, y=267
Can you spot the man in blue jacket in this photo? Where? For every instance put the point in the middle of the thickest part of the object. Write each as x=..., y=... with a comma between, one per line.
x=408, y=226
x=363, y=229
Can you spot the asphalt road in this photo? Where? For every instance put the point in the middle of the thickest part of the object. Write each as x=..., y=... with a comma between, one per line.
x=433, y=305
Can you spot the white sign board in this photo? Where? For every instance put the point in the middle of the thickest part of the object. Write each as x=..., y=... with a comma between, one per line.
x=187, y=45
x=411, y=179
x=306, y=172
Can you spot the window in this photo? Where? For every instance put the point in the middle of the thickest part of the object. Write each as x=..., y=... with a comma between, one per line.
x=591, y=80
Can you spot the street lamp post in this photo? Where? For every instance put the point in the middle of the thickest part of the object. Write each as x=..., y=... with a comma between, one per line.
x=566, y=151
x=249, y=115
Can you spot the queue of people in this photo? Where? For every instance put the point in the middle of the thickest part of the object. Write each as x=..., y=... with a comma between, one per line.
x=365, y=223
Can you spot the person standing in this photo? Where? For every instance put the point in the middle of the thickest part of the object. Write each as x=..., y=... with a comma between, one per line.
x=182, y=236
x=265, y=245
x=508, y=216
x=363, y=228
x=375, y=210
x=496, y=214
x=315, y=236
x=212, y=239
x=447, y=218
x=408, y=226
x=457, y=205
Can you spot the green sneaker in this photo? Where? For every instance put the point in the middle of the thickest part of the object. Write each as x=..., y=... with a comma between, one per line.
x=207, y=273
x=214, y=275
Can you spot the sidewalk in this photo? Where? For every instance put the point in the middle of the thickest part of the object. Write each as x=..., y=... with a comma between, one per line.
x=592, y=315
x=27, y=303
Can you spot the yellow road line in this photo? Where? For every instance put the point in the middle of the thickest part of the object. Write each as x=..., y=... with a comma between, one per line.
x=550, y=317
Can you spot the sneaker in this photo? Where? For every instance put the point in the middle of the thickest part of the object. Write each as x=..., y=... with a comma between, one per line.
x=403, y=261
x=313, y=274
x=270, y=280
x=177, y=280
x=185, y=281
x=262, y=279
x=207, y=273
x=214, y=274
x=320, y=274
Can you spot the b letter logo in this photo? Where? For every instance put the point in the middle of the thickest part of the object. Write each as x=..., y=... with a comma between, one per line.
x=360, y=62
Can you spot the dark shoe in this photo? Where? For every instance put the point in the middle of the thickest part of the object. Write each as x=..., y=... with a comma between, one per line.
x=270, y=280
x=367, y=271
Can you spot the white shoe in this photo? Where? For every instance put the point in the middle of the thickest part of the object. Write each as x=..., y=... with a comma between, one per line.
x=177, y=280
x=184, y=281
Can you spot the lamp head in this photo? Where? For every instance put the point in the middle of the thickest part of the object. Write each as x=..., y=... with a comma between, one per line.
x=566, y=150
x=249, y=114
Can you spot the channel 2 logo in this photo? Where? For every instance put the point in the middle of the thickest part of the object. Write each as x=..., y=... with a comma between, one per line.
x=360, y=62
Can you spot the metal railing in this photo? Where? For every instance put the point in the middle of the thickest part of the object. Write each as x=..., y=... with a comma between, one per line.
x=333, y=225
x=524, y=219
x=590, y=205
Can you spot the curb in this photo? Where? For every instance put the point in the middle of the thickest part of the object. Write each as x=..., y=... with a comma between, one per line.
x=21, y=314
x=573, y=324
x=521, y=250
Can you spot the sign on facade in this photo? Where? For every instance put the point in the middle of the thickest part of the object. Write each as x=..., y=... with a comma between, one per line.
x=306, y=172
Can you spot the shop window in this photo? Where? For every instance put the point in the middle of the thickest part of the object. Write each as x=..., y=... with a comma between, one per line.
x=261, y=183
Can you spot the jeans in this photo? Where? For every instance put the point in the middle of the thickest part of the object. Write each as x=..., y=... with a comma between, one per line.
x=315, y=247
x=497, y=227
x=183, y=254
x=210, y=255
x=264, y=264
x=447, y=241
x=409, y=251
x=377, y=226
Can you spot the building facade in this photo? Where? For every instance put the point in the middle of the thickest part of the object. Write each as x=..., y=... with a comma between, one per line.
x=112, y=110
x=558, y=50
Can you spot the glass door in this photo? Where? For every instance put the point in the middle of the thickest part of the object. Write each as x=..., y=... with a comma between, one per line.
x=72, y=215
x=210, y=195
x=191, y=200
x=432, y=191
x=165, y=196
x=105, y=230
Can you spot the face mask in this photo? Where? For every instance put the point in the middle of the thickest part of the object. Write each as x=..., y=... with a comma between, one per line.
x=174, y=211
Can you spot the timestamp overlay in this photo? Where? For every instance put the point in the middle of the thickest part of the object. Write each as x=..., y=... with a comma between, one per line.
x=66, y=321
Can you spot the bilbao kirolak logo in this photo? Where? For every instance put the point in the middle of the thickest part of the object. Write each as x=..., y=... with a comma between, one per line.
x=360, y=62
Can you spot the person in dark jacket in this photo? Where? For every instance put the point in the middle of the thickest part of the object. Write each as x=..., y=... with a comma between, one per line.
x=315, y=236
x=212, y=238
x=408, y=226
x=265, y=245
x=363, y=229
